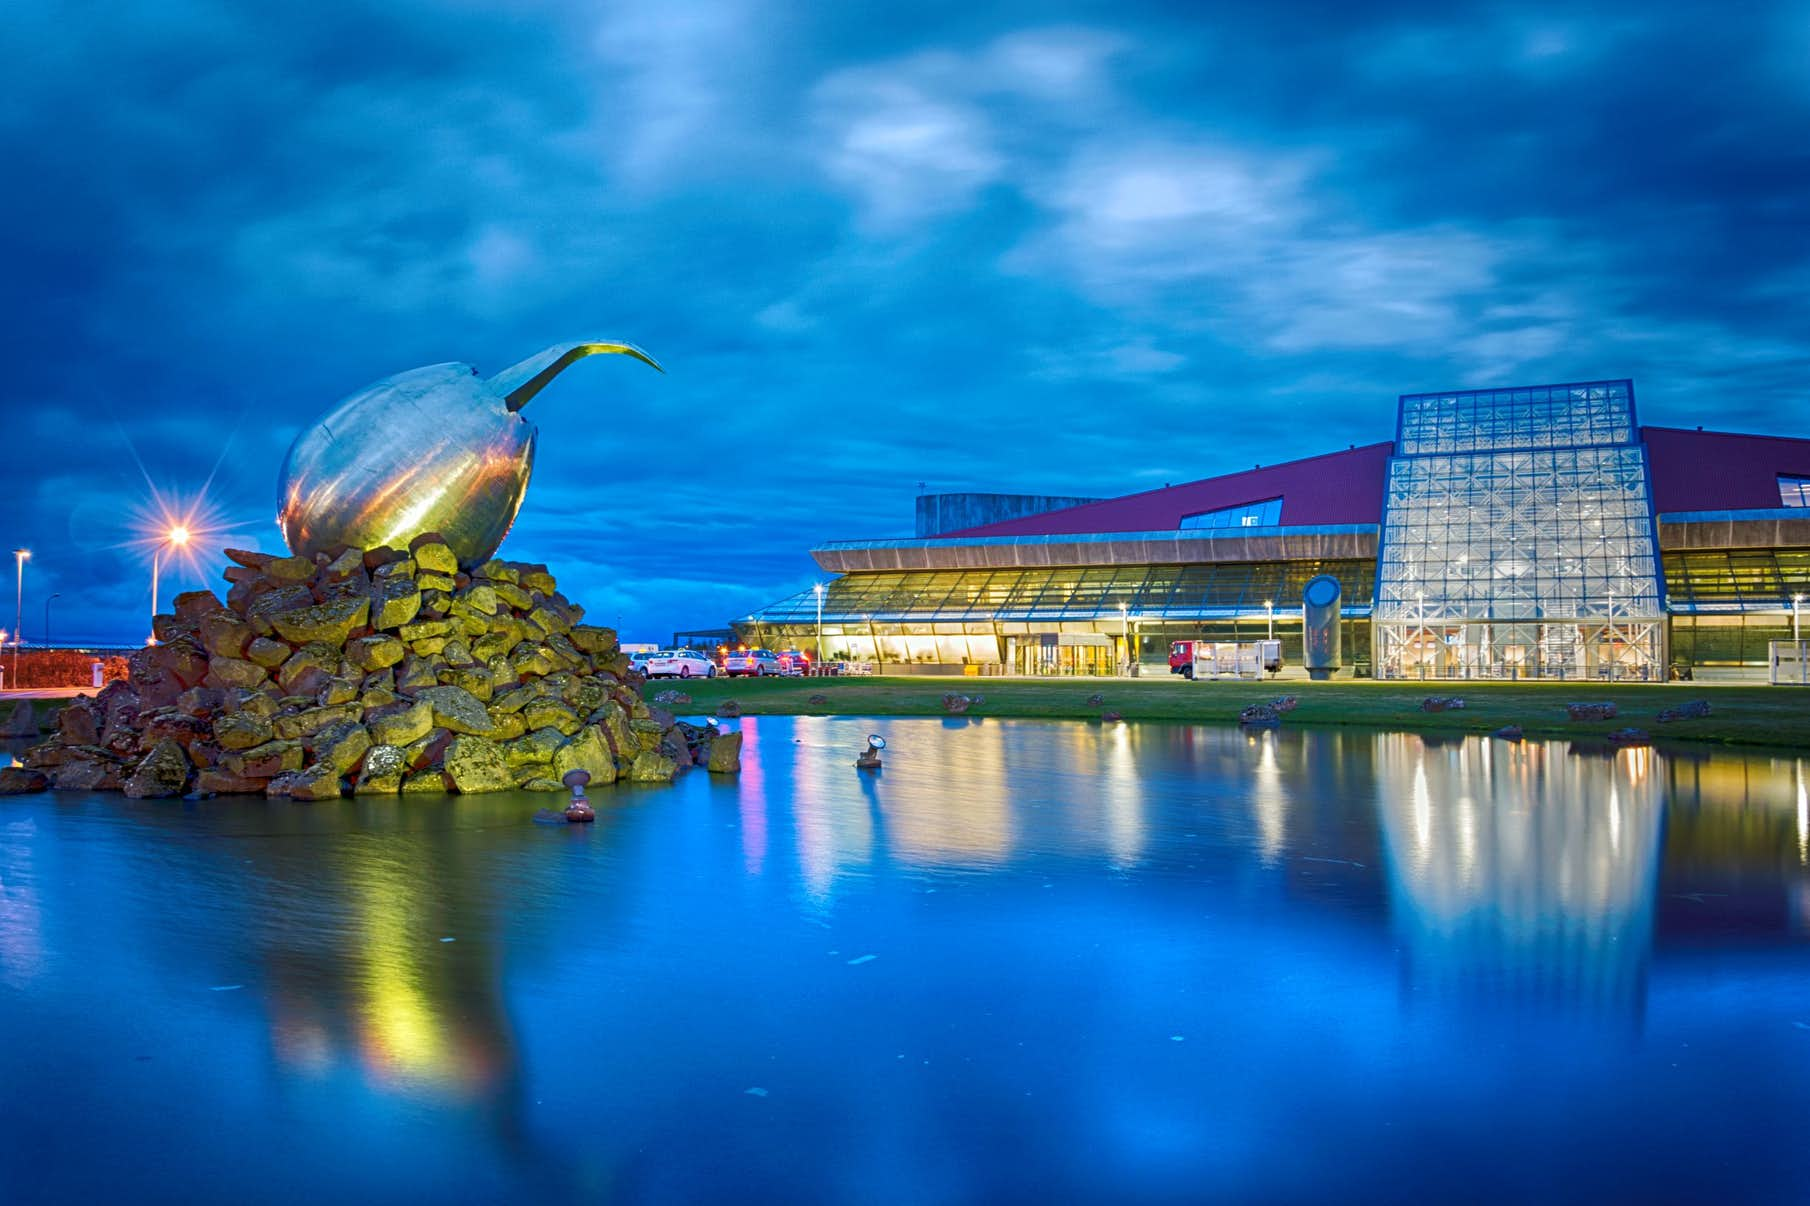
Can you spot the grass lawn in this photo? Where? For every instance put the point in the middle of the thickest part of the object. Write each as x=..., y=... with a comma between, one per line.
x=1739, y=714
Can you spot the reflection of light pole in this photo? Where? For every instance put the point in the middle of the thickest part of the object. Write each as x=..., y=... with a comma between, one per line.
x=21, y=556
x=58, y=595
x=177, y=536
x=1420, y=631
x=818, y=589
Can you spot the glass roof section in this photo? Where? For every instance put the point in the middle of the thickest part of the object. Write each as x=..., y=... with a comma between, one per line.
x=1737, y=580
x=1092, y=593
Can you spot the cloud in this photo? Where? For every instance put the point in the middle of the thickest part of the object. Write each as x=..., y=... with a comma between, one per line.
x=924, y=136
x=906, y=153
x=1051, y=248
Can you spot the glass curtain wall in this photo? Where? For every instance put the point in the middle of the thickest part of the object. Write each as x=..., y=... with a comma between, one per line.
x=1518, y=539
x=1727, y=605
x=986, y=616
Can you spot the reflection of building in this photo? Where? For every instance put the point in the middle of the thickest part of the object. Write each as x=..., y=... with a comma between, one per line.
x=1528, y=532
x=1520, y=874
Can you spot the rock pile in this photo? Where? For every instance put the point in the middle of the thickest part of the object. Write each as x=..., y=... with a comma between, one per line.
x=1590, y=711
x=1695, y=709
x=374, y=671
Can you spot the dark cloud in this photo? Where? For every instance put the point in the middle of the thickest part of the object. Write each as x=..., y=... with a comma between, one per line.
x=1079, y=248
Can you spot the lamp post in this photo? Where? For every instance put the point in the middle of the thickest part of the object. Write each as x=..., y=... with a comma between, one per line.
x=1125, y=633
x=817, y=589
x=58, y=595
x=177, y=536
x=1269, y=612
x=21, y=556
x=1796, y=602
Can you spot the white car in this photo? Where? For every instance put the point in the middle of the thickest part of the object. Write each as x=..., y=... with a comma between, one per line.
x=678, y=663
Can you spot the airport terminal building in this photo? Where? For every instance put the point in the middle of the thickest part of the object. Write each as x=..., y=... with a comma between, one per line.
x=1535, y=532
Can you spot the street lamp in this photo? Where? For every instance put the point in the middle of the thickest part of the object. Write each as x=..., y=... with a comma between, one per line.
x=1125, y=633
x=1796, y=603
x=176, y=536
x=21, y=556
x=817, y=589
x=1269, y=611
x=58, y=595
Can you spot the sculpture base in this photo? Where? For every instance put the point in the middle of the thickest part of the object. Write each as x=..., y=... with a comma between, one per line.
x=1320, y=674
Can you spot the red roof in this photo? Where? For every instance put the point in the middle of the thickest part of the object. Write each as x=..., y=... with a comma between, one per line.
x=1719, y=470
x=1339, y=487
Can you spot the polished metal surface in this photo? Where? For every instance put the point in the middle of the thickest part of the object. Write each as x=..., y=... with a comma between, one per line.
x=435, y=449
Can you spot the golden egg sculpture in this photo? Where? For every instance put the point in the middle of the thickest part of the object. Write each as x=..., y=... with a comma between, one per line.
x=435, y=449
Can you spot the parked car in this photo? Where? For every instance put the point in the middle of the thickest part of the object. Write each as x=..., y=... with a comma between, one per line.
x=794, y=662
x=755, y=662
x=638, y=661
x=678, y=663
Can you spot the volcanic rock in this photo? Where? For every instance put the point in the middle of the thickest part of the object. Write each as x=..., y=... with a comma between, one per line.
x=265, y=761
x=651, y=766
x=384, y=766
x=267, y=652
x=224, y=634
x=19, y=781
x=401, y=724
x=431, y=779
x=392, y=669
x=456, y=709
x=376, y=652
x=725, y=754
x=319, y=782
x=221, y=783
x=341, y=746
x=1590, y=711
x=1260, y=716
x=330, y=623
x=588, y=752
x=79, y=723
x=163, y=773
x=288, y=569
x=432, y=553
x=22, y=723
x=235, y=672
x=88, y=774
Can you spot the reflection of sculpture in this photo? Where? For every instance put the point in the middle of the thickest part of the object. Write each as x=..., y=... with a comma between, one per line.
x=433, y=449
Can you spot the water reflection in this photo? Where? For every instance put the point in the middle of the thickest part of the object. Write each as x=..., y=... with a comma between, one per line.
x=1520, y=873
x=1023, y=950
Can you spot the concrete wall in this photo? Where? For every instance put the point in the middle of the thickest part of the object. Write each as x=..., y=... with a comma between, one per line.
x=939, y=513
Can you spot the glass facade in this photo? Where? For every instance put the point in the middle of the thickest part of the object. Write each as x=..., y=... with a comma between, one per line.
x=1732, y=580
x=1060, y=620
x=1596, y=414
x=1518, y=538
x=1794, y=491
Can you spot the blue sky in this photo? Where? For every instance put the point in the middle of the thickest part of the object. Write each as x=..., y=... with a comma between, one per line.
x=1073, y=248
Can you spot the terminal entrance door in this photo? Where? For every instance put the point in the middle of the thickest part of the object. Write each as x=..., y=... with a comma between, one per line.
x=1065, y=654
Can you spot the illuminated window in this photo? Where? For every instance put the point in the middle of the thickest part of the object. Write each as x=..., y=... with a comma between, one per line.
x=1794, y=491
x=1264, y=514
x=1518, y=538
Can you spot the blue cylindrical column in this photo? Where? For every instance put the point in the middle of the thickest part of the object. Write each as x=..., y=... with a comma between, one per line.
x=1320, y=641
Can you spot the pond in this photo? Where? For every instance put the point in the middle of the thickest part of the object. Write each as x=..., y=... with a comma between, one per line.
x=1026, y=960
